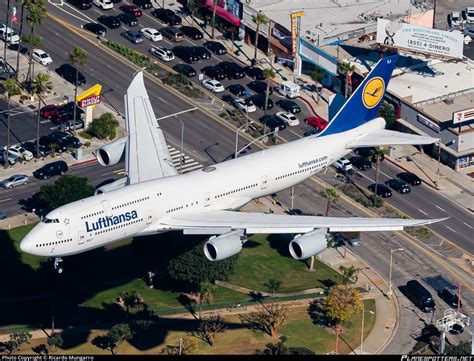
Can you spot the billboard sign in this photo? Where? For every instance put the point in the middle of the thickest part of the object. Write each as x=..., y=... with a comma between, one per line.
x=311, y=53
x=463, y=116
x=294, y=31
x=416, y=38
x=90, y=100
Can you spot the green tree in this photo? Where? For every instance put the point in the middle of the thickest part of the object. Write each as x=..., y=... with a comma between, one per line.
x=259, y=19
x=461, y=349
x=104, y=127
x=316, y=74
x=34, y=41
x=210, y=327
x=341, y=303
x=192, y=268
x=280, y=348
x=24, y=4
x=267, y=319
x=40, y=85
x=347, y=69
x=194, y=8
x=16, y=339
x=349, y=274
x=213, y=20
x=269, y=74
x=112, y=340
x=206, y=294
x=78, y=57
x=36, y=15
x=131, y=300
x=55, y=341
x=387, y=111
x=378, y=153
x=66, y=189
x=11, y=89
x=273, y=285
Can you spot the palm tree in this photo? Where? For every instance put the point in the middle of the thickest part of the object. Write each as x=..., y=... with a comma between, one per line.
x=259, y=18
x=24, y=4
x=213, y=21
x=347, y=69
x=206, y=294
x=36, y=15
x=78, y=57
x=35, y=40
x=332, y=196
x=11, y=89
x=316, y=74
x=7, y=15
x=378, y=152
x=349, y=274
x=41, y=84
x=269, y=74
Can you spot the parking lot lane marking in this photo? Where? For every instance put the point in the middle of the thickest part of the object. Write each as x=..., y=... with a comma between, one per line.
x=164, y=101
x=440, y=208
x=5, y=200
x=422, y=211
x=299, y=136
x=77, y=11
x=468, y=225
x=386, y=175
x=452, y=230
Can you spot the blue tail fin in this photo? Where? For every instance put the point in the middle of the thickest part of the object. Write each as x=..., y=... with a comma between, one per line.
x=364, y=103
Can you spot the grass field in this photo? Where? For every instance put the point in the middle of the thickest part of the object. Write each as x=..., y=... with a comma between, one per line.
x=17, y=234
x=268, y=257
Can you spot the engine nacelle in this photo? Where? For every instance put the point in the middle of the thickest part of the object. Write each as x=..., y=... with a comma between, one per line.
x=306, y=245
x=111, y=153
x=120, y=183
x=225, y=245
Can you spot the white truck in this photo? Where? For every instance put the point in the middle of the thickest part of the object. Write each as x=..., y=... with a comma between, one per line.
x=288, y=89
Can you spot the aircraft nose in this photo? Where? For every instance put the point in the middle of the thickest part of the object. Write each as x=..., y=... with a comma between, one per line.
x=26, y=245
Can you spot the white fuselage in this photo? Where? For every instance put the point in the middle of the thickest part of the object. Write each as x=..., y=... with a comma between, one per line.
x=143, y=208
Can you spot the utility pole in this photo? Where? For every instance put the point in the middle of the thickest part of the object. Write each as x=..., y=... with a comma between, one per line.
x=434, y=14
x=180, y=345
x=439, y=161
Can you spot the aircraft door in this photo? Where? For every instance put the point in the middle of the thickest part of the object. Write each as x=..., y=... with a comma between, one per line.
x=82, y=237
x=264, y=182
x=207, y=199
x=149, y=217
x=106, y=208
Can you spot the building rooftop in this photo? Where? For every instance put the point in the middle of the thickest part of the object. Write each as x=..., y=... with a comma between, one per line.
x=331, y=18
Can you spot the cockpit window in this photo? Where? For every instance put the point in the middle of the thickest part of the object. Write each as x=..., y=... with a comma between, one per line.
x=50, y=220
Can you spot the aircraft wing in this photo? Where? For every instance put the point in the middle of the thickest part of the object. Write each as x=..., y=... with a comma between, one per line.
x=146, y=154
x=219, y=222
x=389, y=137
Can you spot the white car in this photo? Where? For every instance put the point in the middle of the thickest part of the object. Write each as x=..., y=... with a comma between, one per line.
x=469, y=15
x=151, y=34
x=42, y=57
x=11, y=37
x=456, y=19
x=246, y=105
x=162, y=53
x=20, y=152
x=288, y=118
x=103, y=4
x=343, y=165
x=213, y=85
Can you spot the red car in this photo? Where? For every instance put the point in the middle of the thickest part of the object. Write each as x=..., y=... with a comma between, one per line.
x=49, y=110
x=61, y=118
x=317, y=122
x=131, y=9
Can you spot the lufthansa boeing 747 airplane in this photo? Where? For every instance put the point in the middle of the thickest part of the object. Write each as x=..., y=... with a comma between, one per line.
x=154, y=198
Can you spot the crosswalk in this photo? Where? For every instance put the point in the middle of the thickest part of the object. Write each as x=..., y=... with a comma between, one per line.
x=189, y=163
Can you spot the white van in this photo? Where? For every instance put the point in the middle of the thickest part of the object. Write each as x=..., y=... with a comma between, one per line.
x=103, y=4
x=288, y=89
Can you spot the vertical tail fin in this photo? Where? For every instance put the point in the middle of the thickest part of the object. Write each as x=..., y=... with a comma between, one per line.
x=364, y=103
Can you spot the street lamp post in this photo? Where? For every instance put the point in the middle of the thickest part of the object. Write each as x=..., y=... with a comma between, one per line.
x=237, y=136
x=253, y=141
x=181, y=154
x=362, y=327
x=389, y=294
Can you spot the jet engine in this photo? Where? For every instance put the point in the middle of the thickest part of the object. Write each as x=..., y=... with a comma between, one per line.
x=120, y=183
x=225, y=245
x=111, y=153
x=306, y=245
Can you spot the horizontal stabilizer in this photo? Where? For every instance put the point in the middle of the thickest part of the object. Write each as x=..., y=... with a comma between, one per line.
x=389, y=137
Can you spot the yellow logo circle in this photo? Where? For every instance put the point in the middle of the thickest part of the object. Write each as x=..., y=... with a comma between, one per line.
x=373, y=92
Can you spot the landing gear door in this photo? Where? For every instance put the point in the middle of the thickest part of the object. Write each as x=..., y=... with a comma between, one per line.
x=207, y=199
x=82, y=237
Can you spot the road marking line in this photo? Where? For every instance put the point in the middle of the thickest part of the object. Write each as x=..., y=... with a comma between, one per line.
x=386, y=175
x=164, y=101
x=178, y=113
x=440, y=208
x=452, y=230
x=97, y=11
x=468, y=225
x=5, y=200
x=299, y=136
x=423, y=212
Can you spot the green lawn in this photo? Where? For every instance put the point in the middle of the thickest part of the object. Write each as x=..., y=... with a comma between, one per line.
x=261, y=262
x=16, y=235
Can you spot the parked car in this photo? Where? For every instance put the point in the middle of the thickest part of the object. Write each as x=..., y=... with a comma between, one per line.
x=201, y=52
x=185, y=69
x=151, y=34
x=128, y=19
x=51, y=169
x=68, y=72
x=192, y=32
x=131, y=9
x=455, y=19
x=237, y=90
x=69, y=107
x=173, y=33
x=255, y=73
x=21, y=152
x=259, y=87
x=259, y=101
x=69, y=125
x=469, y=14
x=288, y=118
x=167, y=16
x=213, y=72
x=31, y=147
x=361, y=163
x=47, y=111
x=42, y=57
x=216, y=47
x=399, y=185
x=5, y=75
x=311, y=132
x=213, y=85
x=53, y=143
x=186, y=54
x=144, y=4
x=133, y=36
x=14, y=181
x=343, y=165
x=68, y=140
x=289, y=106
x=382, y=190
x=450, y=297
x=355, y=242
x=9, y=157
x=316, y=122
x=61, y=117
x=95, y=28
x=272, y=122
x=420, y=296
x=410, y=178
x=112, y=22
x=3, y=214
x=162, y=53
x=244, y=104
x=103, y=4
x=81, y=4
x=232, y=70
x=369, y=152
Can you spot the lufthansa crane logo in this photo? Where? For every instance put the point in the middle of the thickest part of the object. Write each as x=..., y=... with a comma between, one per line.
x=373, y=92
